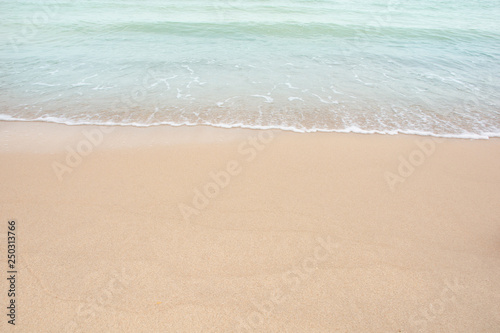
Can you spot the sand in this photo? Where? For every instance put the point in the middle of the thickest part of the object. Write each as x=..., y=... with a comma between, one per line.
x=198, y=229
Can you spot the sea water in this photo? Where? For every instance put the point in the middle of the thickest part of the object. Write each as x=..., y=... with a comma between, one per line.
x=427, y=67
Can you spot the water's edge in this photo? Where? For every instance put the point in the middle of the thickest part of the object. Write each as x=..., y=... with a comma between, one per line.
x=355, y=130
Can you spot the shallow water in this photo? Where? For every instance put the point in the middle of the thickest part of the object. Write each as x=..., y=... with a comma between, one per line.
x=426, y=67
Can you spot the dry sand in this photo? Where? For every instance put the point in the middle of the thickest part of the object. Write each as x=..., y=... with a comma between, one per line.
x=304, y=232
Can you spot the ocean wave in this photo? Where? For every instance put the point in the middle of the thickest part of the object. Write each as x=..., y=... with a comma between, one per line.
x=370, y=66
x=350, y=129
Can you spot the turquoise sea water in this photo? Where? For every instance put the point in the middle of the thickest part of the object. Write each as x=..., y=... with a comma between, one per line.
x=427, y=67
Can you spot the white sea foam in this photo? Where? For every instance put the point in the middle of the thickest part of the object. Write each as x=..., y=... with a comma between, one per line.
x=350, y=129
x=267, y=98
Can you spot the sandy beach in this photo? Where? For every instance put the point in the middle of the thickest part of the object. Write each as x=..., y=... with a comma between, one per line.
x=201, y=229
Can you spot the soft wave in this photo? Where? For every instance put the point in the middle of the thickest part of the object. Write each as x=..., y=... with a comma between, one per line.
x=351, y=129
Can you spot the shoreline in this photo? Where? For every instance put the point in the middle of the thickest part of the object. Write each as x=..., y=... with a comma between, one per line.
x=223, y=230
x=350, y=130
